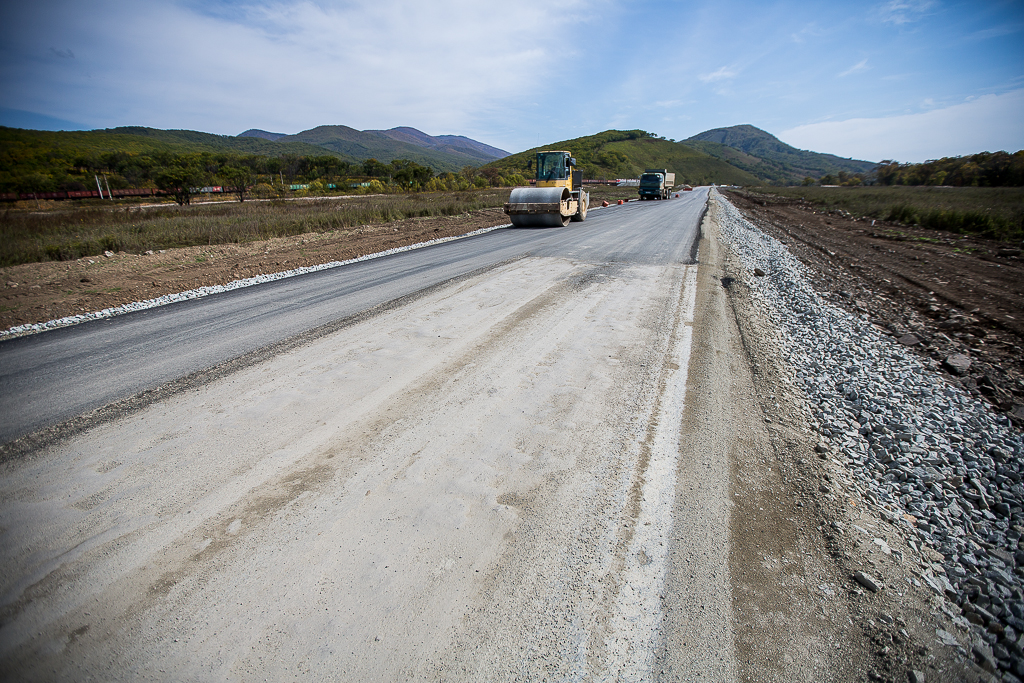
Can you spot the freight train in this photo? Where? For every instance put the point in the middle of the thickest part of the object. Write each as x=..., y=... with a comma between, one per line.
x=83, y=194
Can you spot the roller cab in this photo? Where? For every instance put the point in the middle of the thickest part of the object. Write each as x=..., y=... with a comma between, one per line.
x=557, y=197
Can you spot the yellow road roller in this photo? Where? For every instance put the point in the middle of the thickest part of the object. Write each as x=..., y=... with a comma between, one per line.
x=556, y=199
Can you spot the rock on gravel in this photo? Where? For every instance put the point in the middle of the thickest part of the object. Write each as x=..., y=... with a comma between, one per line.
x=936, y=462
x=958, y=364
x=867, y=581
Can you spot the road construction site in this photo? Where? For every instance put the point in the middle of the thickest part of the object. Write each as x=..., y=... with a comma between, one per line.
x=588, y=453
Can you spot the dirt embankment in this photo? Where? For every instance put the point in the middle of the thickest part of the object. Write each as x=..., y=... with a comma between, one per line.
x=38, y=292
x=958, y=301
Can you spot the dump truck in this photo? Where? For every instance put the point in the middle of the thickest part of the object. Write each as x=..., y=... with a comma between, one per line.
x=556, y=198
x=656, y=183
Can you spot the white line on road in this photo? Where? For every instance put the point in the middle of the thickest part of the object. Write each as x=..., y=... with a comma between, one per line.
x=638, y=612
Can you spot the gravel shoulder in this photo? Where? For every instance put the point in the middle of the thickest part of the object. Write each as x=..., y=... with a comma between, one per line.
x=939, y=294
x=870, y=451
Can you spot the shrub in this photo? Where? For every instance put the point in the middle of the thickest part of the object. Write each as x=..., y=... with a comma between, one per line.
x=264, y=191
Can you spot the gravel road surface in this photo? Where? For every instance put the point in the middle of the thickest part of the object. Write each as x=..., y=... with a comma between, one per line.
x=477, y=482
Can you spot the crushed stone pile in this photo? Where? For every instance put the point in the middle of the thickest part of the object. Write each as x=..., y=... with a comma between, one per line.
x=935, y=462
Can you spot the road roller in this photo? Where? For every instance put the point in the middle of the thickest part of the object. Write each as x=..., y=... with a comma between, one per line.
x=557, y=197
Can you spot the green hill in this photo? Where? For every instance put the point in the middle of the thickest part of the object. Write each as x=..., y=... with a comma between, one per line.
x=140, y=140
x=39, y=160
x=626, y=153
x=379, y=145
x=765, y=156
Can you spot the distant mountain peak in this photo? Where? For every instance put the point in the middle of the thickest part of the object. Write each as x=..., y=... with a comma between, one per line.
x=457, y=144
x=257, y=133
x=761, y=153
x=744, y=137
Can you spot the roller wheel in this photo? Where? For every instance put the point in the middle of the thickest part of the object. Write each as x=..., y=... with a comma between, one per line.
x=581, y=212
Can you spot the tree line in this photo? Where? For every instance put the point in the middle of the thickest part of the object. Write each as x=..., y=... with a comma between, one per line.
x=182, y=175
x=987, y=169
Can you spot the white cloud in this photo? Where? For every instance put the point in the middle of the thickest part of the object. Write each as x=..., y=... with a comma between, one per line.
x=988, y=123
x=720, y=75
x=442, y=66
x=995, y=32
x=904, y=11
x=862, y=65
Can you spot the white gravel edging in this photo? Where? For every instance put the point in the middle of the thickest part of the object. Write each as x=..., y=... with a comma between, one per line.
x=936, y=462
x=33, y=328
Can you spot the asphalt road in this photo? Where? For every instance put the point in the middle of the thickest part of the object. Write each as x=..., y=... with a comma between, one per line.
x=49, y=378
x=487, y=481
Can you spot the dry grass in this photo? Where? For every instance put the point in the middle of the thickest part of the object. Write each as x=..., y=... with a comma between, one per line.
x=992, y=212
x=72, y=232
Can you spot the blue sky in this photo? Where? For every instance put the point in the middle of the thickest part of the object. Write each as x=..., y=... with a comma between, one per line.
x=902, y=79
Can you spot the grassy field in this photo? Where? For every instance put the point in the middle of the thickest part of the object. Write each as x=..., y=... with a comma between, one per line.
x=993, y=212
x=69, y=232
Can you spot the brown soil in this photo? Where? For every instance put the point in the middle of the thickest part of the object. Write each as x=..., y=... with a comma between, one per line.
x=38, y=292
x=938, y=293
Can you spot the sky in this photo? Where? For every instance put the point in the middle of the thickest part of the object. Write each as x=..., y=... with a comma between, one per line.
x=907, y=80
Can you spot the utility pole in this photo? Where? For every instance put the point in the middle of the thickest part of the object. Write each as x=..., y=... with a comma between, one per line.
x=98, y=186
x=110, y=195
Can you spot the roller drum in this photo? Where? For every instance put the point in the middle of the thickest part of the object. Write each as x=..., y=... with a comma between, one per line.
x=537, y=207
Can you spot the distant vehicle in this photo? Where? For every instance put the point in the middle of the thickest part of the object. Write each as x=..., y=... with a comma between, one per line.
x=656, y=183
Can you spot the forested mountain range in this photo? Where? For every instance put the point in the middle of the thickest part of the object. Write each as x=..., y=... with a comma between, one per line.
x=442, y=153
x=739, y=155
